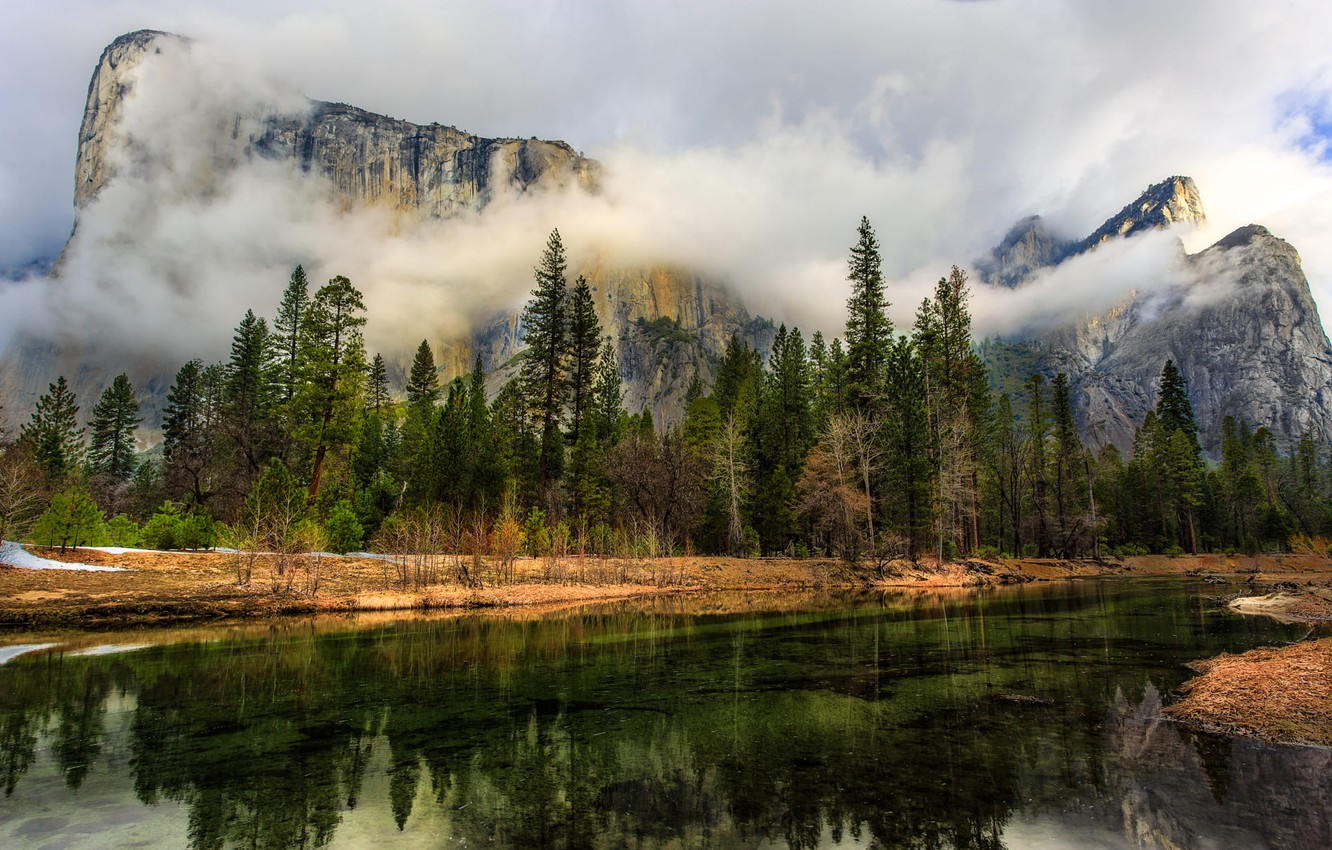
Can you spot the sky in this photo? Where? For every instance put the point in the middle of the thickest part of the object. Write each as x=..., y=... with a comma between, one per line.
x=743, y=138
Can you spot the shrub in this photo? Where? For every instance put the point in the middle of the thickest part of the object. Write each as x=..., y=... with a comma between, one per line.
x=535, y=533
x=171, y=529
x=72, y=519
x=343, y=530
x=122, y=531
x=162, y=530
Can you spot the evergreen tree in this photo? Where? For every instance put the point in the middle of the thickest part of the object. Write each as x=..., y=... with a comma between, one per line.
x=423, y=379
x=332, y=368
x=869, y=331
x=253, y=386
x=545, y=331
x=53, y=433
x=190, y=432
x=376, y=386
x=908, y=468
x=73, y=519
x=584, y=348
x=287, y=327
x=1172, y=405
x=607, y=395
x=115, y=416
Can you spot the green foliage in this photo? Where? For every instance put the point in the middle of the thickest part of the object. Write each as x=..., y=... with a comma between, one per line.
x=343, y=530
x=423, y=378
x=173, y=528
x=53, y=434
x=584, y=350
x=536, y=536
x=869, y=331
x=115, y=416
x=72, y=519
x=545, y=365
x=122, y=531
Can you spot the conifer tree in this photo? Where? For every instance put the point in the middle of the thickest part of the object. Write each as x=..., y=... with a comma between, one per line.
x=1172, y=405
x=608, y=394
x=869, y=331
x=115, y=416
x=190, y=431
x=332, y=367
x=53, y=433
x=544, y=366
x=584, y=348
x=423, y=379
x=376, y=386
x=253, y=385
x=287, y=329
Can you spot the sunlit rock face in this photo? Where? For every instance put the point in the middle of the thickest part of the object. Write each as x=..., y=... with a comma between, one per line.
x=1238, y=319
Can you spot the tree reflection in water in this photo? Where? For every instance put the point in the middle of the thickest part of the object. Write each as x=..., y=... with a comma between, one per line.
x=905, y=722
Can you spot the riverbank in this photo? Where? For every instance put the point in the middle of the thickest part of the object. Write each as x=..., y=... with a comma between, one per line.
x=183, y=587
x=1281, y=695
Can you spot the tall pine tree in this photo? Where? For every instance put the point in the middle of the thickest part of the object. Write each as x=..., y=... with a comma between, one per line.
x=584, y=347
x=287, y=329
x=115, y=416
x=869, y=331
x=53, y=433
x=544, y=366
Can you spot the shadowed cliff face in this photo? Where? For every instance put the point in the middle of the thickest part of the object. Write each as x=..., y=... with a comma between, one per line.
x=1238, y=319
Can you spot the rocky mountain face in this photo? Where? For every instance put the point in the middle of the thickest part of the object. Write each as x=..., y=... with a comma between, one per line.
x=1241, y=324
x=667, y=322
x=1030, y=246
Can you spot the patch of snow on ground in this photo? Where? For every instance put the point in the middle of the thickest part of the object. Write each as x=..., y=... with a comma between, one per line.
x=16, y=556
x=8, y=653
x=110, y=648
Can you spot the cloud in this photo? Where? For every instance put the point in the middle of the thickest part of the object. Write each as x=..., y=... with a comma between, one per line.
x=743, y=139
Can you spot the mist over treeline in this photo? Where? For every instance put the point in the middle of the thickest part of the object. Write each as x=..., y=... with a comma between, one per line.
x=882, y=445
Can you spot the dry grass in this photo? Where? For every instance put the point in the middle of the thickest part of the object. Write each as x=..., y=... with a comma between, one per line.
x=1282, y=695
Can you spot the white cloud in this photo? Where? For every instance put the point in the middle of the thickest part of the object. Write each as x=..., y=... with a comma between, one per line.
x=744, y=139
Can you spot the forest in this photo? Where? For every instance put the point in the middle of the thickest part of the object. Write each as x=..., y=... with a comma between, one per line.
x=878, y=445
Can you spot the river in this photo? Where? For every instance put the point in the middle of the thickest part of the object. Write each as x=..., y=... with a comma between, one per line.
x=1021, y=717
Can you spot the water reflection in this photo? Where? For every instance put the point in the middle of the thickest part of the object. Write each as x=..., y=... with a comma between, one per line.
x=1026, y=717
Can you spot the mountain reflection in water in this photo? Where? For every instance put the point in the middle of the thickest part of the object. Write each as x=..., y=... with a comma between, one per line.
x=1024, y=717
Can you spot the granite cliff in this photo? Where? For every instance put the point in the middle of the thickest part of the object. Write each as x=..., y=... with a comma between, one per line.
x=667, y=322
x=1240, y=322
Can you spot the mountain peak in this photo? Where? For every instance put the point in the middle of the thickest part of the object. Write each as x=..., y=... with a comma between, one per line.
x=1171, y=201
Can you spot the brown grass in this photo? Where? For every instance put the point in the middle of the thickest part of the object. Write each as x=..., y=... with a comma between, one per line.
x=175, y=587
x=1281, y=695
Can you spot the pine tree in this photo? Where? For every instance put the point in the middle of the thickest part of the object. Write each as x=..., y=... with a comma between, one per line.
x=190, y=431
x=1173, y=407
x=332, y=369
x=869, y=331
x=115, y=416
x=253, y=386
x=53, y=433
x=423, y=379
x=376, y=386
x=287, y=329
x=584, y=347
x=545, y=331
x=607, y=395
x=73, y=519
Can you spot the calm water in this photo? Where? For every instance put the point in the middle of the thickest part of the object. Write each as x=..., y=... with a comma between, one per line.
x=1019, y=718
